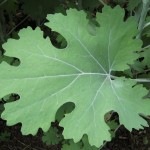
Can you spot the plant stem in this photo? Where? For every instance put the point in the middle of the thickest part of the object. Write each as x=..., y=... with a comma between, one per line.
x=80, y=4
x=142, y=80
x=17, y=25
x=145, y=7
x=147, y=24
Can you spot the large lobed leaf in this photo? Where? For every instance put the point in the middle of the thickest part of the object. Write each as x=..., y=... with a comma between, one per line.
x=81, y=73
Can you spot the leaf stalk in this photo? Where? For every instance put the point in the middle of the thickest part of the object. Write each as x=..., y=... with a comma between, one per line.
x=143, y=80
x=147, y=24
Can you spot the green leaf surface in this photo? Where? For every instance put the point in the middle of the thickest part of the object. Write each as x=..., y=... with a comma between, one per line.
x=132, y=4
x=82, y=145
x=72, y=146
x=88, y=4
x=145, y=76
x=81, y=73
x=10, y=6
x=120, y=1
x=4, y=136
x=52, y=137
x=146, y=56
x=86, y=145
x=146, y=31
x=113, y=126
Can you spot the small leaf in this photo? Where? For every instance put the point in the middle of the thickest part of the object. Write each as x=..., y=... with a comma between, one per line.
x=10, y=6
x=52, y=137
x=132, y=4
x=146, y=56
x=72, y=146
x=4, y=136
x=146, y=30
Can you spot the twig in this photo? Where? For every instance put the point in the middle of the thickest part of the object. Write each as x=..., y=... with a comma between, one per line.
x=80, y=4
x=38, y=148
x=143, y=71
x=3, y=2
x=102, y=2
x=117, y=128
x=147, y=70
x=1, y=33
x=104, y=144
x=21, y=142
x=108, y=141
x=26, y=147
x=145, y=7
x=17, y=25
x=145, y=47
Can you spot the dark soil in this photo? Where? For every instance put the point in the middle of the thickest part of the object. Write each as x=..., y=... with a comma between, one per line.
x=17, y=141
x=124, y=140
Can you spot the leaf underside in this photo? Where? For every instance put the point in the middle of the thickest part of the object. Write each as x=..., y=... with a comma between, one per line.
x=81, y=73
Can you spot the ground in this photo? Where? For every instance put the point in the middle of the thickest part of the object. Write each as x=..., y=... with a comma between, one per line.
x=124, y=140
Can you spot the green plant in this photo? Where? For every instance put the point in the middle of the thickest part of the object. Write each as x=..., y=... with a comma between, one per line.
x=95, y=72
x=4, y=136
